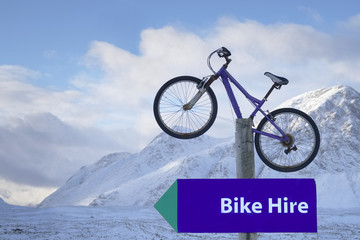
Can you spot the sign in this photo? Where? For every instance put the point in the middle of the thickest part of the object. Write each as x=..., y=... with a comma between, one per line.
x=240, y=205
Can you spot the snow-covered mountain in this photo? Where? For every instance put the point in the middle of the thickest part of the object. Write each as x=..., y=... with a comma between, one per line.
x=140, y=179
x=2, y=202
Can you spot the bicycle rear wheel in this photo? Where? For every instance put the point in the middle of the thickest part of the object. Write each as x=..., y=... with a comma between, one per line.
x=302, y=148
x=171, y=115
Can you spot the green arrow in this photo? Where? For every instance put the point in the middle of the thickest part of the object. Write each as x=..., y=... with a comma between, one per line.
x=167, y=205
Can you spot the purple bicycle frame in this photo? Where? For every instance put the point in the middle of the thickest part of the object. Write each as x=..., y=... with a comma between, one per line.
x=226, y=79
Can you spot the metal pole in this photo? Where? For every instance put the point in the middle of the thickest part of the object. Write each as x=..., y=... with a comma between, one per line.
x=245, y=163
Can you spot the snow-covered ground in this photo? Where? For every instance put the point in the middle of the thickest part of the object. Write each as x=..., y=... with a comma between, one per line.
x=79, y=222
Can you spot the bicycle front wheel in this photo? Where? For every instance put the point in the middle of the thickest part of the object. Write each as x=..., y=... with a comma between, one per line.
x=294, y=155
x=178, y=121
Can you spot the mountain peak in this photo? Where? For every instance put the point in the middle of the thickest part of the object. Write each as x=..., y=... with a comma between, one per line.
x=325, y=99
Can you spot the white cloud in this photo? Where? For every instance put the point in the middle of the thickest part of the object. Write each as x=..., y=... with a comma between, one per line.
x=50, y=54
x=42, y=150
x=23, y=194
x=312, y=13
x=16, y=73
x=353, y=23
x=19, y=95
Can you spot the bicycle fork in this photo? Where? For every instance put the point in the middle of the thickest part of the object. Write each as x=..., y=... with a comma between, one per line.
x=202, y=86
x=193, y=101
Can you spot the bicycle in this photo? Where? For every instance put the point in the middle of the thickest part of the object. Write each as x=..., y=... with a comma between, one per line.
x=286, y=139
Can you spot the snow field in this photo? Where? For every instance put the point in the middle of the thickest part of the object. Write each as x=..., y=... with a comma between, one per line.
x=142, y=223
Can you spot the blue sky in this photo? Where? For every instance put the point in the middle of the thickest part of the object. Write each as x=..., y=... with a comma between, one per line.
x=77, y=78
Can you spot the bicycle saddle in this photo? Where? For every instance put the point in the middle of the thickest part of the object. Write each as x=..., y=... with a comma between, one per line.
x=277, y=79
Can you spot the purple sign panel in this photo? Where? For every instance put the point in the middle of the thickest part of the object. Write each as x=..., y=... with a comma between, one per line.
x=246, y=205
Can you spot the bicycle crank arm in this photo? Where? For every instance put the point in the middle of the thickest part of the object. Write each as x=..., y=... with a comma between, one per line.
x=287, y=151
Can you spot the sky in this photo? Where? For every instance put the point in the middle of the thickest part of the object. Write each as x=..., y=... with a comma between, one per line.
x=78, y=78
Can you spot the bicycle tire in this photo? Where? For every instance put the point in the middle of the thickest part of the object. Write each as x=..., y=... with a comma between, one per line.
x=180, y=123
x=305, y=136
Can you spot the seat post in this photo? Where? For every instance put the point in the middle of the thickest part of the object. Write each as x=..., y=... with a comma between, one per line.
x=275, y=85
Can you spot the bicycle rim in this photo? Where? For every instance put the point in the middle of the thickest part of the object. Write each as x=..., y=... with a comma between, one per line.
x=306, y=138
x=182, y=123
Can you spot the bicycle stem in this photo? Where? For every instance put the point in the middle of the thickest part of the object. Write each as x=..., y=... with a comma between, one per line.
x=228, y=61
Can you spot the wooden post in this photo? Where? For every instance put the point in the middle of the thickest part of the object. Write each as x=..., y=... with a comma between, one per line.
x=245, y=163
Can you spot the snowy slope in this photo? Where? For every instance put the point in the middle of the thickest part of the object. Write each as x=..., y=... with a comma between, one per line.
x=215, y=162
x=140, y=179
x=92, y=180
x=2, y=203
